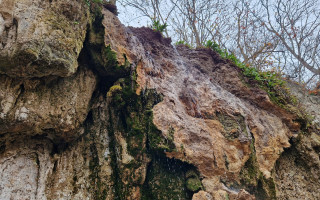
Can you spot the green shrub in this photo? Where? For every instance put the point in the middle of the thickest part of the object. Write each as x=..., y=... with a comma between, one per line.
x=182, y=42
x=214, y=46
x=156, y=26
x=88, y=2
x=269, y=80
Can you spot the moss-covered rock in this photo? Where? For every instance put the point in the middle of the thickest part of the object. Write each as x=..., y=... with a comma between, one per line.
x=166, y=180
x=136, y=141
x=103, y=58
x=193, y=182
x=253, y=180
x=131, y=119
x=234, y=125
x=43, y=41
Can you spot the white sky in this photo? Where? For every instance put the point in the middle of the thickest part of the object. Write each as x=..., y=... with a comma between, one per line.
x=130, y=18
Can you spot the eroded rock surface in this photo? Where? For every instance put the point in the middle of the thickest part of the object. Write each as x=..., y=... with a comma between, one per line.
x=34, y=106
x=215, y=121
x=37, y=168
x=41, y=38
x=133, y=117
x=311, y=103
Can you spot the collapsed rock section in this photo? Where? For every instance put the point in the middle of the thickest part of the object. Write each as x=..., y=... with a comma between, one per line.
x=214, y=119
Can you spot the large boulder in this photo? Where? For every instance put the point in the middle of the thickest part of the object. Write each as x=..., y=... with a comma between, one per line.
x=51, y=105
x=40, y=38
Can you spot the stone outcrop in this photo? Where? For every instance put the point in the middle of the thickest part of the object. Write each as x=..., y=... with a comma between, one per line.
x=34, y=106
x=311, y=103
x=41, y=38
x=114, y=112
x=297, y=169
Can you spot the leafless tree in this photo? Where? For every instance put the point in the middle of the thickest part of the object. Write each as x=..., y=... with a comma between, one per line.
x=155, y=10
x=281, y=34
x=250, y=41
x=193, y=21
x=197, y=21
x=296, y=24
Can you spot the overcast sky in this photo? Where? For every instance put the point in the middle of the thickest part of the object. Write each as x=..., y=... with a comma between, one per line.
x=129, y=17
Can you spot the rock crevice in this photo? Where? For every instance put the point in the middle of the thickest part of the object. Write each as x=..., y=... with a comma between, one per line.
x=91, y=109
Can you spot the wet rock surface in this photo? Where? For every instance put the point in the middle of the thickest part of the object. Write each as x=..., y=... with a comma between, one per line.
x=133, y=117
x=215, y=120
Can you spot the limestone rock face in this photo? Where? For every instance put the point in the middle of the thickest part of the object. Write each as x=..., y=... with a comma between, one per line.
x=133, y=117
x=37, y=168
x=213, y=119
x=298, y=170
x=310, y=103
x=35, y=106
x=202, y=196
x=41, y=38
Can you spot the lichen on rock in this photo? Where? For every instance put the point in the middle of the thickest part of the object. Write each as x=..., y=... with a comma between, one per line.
x=41, y=38
x=35, y=106
x=91, y=109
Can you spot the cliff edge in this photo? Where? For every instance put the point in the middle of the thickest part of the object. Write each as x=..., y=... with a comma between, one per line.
x=91, y=109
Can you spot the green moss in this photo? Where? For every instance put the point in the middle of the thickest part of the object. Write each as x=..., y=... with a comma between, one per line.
x=113, y=90
x=137, y=118
x=134, y=113
x=106, y=63
x=193, y=184
x=253, y=180
x=166, y=180
x=269, y=81
x=266, y=189
x=109, y=58
x=118, y=184
x=233, y=125
x=102, y=58
x=95, y=168
x=250, y=172
x=157, y=142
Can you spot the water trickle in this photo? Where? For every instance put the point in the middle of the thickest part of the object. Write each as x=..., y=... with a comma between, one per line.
x=231, y=190
x=175, y=50
x=178, y=58
x=199, y=111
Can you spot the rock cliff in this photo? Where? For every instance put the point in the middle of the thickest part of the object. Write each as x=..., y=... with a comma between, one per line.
x=91, y=109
